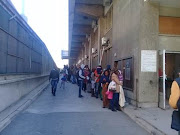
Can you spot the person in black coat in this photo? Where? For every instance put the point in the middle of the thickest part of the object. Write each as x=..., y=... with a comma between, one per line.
x=54, y=78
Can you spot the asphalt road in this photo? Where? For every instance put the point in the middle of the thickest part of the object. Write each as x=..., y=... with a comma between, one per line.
x=66, y=114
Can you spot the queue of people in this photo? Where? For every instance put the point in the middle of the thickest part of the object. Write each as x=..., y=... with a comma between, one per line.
x=97, y=82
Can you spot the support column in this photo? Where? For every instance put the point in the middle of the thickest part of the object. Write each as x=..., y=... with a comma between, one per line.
x=90, y=48
x=149, y=34
x=99, y=40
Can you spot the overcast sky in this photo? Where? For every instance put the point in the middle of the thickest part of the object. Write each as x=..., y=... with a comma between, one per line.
x=49, y=19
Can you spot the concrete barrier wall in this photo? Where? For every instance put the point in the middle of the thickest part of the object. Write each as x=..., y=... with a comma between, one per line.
x=25, y=61
x=13, y=90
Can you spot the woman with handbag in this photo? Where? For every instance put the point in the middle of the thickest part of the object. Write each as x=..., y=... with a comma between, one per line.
x=114, y=103
x=174, y=102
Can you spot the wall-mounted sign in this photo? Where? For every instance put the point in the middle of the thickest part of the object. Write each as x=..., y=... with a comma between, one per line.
x=148, y=61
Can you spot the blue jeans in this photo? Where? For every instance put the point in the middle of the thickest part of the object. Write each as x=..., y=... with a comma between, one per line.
x=54, y=85
x=80, y=86
x=62, y=84
x=114, y=103
x=97, y=85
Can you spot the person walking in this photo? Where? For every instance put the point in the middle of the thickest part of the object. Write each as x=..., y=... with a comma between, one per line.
x=114, y=105
x=54, y=78
x=105, y=82
x=81, y=79
x=174, y=101
x=63, y=81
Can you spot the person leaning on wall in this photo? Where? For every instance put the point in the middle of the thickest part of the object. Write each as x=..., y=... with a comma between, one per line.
x=174, y=102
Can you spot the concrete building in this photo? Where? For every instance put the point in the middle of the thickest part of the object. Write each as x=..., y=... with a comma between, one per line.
x=25, y=62
x=142, y=38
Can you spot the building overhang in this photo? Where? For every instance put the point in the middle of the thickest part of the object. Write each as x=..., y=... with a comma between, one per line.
x=81, y=15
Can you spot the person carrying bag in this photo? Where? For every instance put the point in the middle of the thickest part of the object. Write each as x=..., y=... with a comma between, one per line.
x=174, y=102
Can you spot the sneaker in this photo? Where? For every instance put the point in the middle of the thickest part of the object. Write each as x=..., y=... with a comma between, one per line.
x=118, y=109
x=113, y=110
x=80, y=96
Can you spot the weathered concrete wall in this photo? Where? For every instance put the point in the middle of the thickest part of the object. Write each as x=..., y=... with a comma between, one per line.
x=125, y=36
x=135, y=28
x=148, y=81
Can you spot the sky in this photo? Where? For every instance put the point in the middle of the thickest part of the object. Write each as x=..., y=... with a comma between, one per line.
x=49, y=19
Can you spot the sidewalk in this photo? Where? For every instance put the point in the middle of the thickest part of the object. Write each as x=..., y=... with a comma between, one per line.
x=155, y=120
x=8, y=115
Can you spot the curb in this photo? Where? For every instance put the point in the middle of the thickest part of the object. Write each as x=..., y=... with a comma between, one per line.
x=144, y=124
x=11, y=112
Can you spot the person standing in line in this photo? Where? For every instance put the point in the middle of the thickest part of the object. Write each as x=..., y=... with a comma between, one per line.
x=97, y=73
x=81, y=79
x=69, y=74
x=77, y=74
x=86, y=74
x=174, y=99
x=121, y=94
x=108, y=67
x=105, y=82
x=93, y=83
x=65, y=71
x=115, y=101
x=54, y=78
x=74, y=74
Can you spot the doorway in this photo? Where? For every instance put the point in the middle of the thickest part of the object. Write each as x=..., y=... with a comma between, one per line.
x=169, y=63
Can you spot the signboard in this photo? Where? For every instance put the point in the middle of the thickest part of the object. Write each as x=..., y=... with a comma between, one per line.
x=148, y=61
x=64, y=54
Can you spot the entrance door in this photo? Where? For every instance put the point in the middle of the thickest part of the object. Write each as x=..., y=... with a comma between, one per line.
x=162, y=77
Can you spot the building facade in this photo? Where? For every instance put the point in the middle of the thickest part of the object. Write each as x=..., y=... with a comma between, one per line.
x=142, y=39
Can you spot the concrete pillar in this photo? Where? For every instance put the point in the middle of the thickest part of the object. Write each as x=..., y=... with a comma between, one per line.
x=99, y=40
x=148, y=38
x=90, y=48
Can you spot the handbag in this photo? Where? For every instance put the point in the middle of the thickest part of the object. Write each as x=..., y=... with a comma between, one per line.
x=112, y=86
x=175, y=124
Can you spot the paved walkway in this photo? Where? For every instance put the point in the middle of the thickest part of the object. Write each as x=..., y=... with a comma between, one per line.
x=155, y=120
x=66, y=114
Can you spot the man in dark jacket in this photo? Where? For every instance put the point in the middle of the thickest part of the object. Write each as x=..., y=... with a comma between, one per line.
x=174, y=99
x=54, y=78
